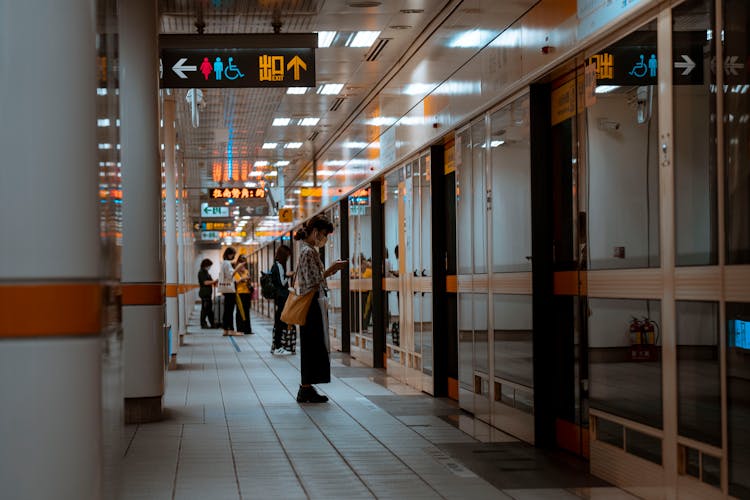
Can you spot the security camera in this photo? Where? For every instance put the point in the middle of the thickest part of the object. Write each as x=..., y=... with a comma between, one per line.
x=609, y=125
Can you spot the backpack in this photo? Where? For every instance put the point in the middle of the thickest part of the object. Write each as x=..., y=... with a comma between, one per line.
x=267, y=288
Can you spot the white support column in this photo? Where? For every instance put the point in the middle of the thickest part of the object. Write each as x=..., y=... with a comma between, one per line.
x=171, y=229
x=182, y=324
x=142, y=254
x=50, y=272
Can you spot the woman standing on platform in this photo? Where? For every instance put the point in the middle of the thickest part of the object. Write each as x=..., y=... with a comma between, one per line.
x=280, y=280
x=226, y=288
x=244, y=295
x=205, y=293
x=311, y=276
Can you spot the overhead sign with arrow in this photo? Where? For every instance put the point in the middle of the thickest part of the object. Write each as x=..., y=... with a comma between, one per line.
x=237, y=61
x=209, y=211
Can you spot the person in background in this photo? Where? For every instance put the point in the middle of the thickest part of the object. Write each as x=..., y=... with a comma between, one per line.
x=206, y=283
x=280, y=279
x=244, y=295
x=226, y=288
x=367, y=274
x=315, y=364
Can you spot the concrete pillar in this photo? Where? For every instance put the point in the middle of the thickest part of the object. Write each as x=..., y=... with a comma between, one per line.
x=171, y=230
x=142, y=256
x=51, y=284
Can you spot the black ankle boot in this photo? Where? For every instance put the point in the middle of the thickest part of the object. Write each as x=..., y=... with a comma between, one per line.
x=310, y=395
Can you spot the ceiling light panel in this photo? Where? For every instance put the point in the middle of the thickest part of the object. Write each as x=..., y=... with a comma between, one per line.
x=296, y=90
x=330, y=88
x=309, y=122
x=269, y=145
x=281, y=122
x=325, y=38
x=362, y=39
x=293, y=145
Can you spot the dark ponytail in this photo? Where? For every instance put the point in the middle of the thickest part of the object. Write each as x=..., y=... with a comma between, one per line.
x=319, y=222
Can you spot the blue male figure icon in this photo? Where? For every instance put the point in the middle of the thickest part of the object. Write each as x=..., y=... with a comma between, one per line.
x=218, y=68
x=652, y=65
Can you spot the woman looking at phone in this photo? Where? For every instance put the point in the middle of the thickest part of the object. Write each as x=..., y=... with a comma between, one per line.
x=311, y=276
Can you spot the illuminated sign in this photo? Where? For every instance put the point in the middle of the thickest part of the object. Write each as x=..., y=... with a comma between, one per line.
x=237, y=193
x=360, y=198
x=285, y=215
x=213, y=226
x=633, y=60
x=237, y=61
x=216, y=235
x=208, y=211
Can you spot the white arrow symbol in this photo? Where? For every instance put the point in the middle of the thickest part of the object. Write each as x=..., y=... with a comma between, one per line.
x=179, y=68
x=731, y=65
x=686, y=66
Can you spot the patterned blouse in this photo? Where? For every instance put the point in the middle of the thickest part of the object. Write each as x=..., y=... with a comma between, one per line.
x=309, y=270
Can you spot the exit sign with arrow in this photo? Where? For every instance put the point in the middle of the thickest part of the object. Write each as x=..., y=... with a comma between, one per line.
x=237, y=61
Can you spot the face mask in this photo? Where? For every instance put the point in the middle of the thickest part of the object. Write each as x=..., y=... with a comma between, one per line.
x=322, y=242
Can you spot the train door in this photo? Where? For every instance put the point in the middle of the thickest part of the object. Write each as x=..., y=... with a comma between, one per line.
x=408, y=273
x=493, y=219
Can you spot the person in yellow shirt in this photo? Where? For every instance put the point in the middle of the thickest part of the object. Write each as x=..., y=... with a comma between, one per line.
x=244, y=295
x=367, y=274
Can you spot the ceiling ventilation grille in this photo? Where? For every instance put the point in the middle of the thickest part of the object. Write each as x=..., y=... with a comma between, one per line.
x=313, y=136
x=336, y=104
x=377, y=49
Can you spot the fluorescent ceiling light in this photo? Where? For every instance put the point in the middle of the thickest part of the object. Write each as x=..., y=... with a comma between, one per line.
x=250, y=185
x=105, y=146
x=101, y=91
x=282, y=163
x=296, y=90
x=269, y=145
x=335, y=163
x=325, y=38
x=255, y=173
x=495, y=144
x=418, y=88
x=603, y=89
x=330, y=88
x=281, y=122
x=363, y=39
x=261, y=163
x=102, y=122
x=272, y=173
x=379, y=121
x=293, y=145
x=325, y=172
x=354, y=145
x=470, y=39
x=309, y=122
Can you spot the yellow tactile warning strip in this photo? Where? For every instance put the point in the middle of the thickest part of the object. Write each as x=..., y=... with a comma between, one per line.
x=50, y=309
x=142, y=294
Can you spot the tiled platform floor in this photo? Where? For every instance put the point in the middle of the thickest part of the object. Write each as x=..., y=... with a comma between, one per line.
x=234, y=431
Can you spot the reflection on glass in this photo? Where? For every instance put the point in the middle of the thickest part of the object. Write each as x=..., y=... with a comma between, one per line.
x=625, y=359
x=643, y=445
x=513, y=338
x=698, y=377
x=695, y=135
x=479, y=229
x=623, y=176
x=511, y=188
x=465, y=342
x=738, y=397
x=464, y=202
x=609, y=432
x=736, y=138
x=360, y=266
x=481, y=337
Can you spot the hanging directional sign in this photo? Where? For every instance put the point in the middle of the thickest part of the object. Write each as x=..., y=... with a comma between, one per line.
x=236, y=61
x=632, y=60
x=209, y=211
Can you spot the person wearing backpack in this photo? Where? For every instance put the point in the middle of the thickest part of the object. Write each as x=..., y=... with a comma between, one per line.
x=280, y=281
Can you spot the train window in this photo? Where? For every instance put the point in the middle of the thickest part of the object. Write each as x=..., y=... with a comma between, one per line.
x=694, y=134
x=738, y=402
x=698, y=374
x=623, y=157
x=625, y=368
x=736, y=138
x=510, y=157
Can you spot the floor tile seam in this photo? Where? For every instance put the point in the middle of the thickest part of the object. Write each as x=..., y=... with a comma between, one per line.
x=177, y=465
x=352, y=418
x=229, y=434
x=268, y=417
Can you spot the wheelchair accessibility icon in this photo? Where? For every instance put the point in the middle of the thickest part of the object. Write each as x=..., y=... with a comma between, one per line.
x=232, y=72
x=641, y=68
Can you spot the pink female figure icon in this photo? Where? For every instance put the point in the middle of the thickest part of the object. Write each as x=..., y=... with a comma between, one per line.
x=206, y=68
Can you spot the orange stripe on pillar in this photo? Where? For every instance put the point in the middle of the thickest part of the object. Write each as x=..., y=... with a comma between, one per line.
x=42, y=310
x=142, y=294
x=173, y=290
x=451, y=283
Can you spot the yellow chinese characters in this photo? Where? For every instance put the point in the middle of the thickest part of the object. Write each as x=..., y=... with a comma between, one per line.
x=271, y=68
x=605, y=66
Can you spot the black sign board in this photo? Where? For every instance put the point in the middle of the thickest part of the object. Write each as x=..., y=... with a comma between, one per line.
x=633, y=61
x=237, y=61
